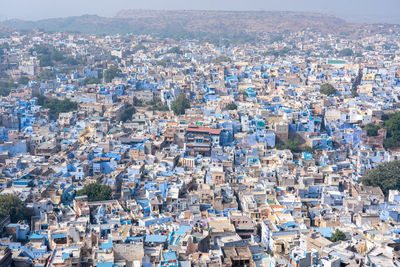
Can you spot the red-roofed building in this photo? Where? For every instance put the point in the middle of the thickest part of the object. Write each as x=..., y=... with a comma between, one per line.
x=199, y=140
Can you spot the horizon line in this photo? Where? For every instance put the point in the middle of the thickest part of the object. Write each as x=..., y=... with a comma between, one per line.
x=204, y=10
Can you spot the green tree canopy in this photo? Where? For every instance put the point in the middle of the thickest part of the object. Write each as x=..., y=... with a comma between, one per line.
x=129, y=111
x=338, y=236
x=221, y=59
x=175, y=50
x=40, y=50
x=369, y=48
x=90, y=80
x=6, y=87
x=69, y=61
x=356, y=83
x=392, y=125
x=49, y=54
x=13, y=206
x=327, y=89
x=56, y=106
x=180, y=104
x=293, y=145
x=111, y=73
x=45, y=61
x=163, y=62
x=95, y=192
x=347, y=52
x=138, y=48
x=23, y=80
x=138, y=102
x=231, y=106
x=156, y=104
x=386, y=176
x=46, y=75
x=372, y=129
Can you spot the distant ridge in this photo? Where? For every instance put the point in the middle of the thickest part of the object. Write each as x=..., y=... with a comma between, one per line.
x=241, y=25
x=90, y=24
x=249, y=21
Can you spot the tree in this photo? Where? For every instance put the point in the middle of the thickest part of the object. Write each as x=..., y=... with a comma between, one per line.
x=180, y=104
x=95, y=192
x=221, y=59
x=138, y=48
x=57, y=106
x=386, y=176
x=347, y=52
x=46, y=75
x=6, y=87
x=137, y=102
x=45, y=61
x=111, y=73
x=372, y=129
x=90, y=80
x=69, y=61
x=356, y=83
x=293, y=145
x=369, y=48
x=23, y=80
x=48, y=55
x=175, y=50
x=338, y=236
x=327, y=89
x=129, y=111
x=163, y=62
x=390, y=142
x=13, y=206
x=156, y=104
x=392, y=126
x=231, y=106
x=40, y=50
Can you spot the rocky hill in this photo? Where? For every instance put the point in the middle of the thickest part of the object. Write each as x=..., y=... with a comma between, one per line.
x=206, y=25
x=234, y=21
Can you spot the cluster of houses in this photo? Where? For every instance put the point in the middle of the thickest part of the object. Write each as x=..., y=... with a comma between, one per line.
x=261, y=170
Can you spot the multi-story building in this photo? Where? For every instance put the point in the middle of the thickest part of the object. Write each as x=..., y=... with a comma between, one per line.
x=200, y=140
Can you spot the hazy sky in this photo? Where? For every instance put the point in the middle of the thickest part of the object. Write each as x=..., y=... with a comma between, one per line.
x=351, y=10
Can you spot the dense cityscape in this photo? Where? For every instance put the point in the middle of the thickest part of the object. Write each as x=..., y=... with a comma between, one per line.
x=135, y=150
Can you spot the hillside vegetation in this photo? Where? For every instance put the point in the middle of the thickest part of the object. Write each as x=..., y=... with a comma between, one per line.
x=237, y=26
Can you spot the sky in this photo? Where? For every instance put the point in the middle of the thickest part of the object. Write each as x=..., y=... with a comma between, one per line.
x=373, y=11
